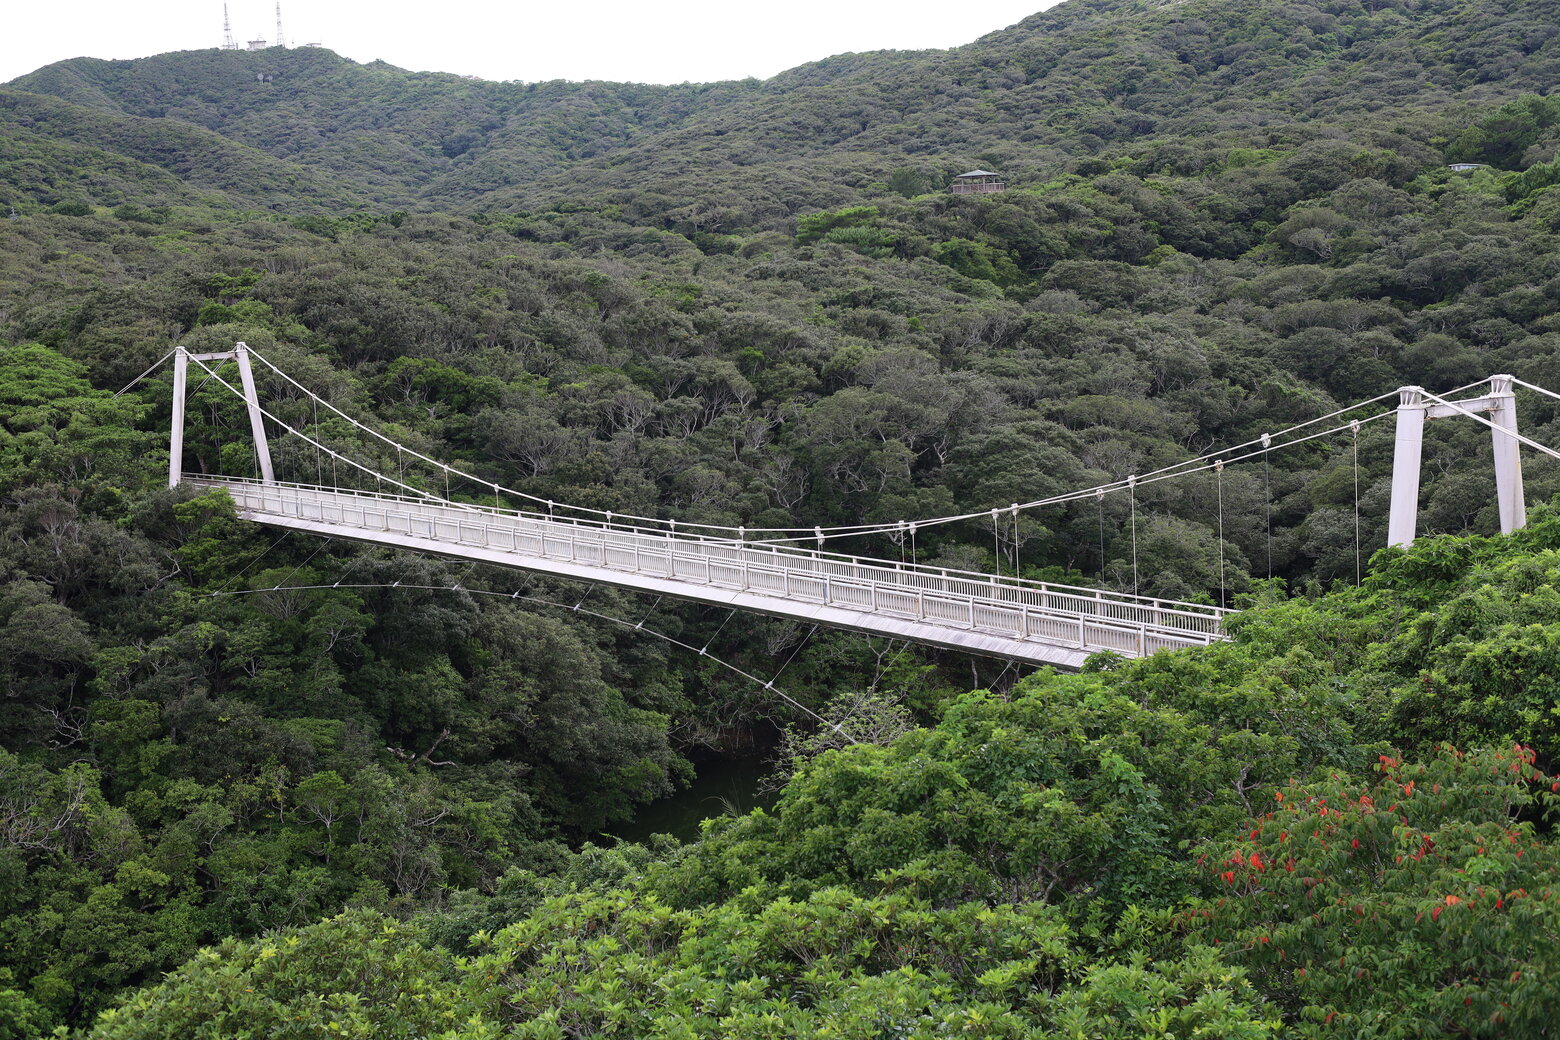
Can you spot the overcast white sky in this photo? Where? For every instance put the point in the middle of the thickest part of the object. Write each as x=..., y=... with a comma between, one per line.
x=672, y=41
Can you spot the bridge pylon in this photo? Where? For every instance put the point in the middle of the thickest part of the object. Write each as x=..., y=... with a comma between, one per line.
x=181, y=368
x=1415, y=408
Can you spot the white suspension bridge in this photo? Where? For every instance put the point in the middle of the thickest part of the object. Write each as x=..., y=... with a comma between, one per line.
x=787, y=572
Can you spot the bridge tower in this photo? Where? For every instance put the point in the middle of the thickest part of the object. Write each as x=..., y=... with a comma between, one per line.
x=1415, y=408
x=181, y=370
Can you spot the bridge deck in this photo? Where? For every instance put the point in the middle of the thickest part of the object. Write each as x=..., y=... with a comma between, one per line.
x=1036, y=622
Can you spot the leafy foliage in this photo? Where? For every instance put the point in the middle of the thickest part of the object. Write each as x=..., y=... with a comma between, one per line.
x=1149, y=848
x=753, y=303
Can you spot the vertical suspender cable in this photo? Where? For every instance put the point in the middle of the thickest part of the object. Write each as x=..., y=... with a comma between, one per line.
x=1132, y=499
x=1355, y=426
x=776, y=678
x=1014, y=509
x=1267, y=489
x=1099, y=501
x=711, y=640
x=335, y=478
x=996, y=543
x=319, y=456
x=1218, y=478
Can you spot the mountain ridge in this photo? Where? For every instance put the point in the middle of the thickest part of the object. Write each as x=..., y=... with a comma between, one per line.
x=1032, y=99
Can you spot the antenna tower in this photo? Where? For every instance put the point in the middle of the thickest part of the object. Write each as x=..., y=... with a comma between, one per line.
x=228, y=44
x=281, y=41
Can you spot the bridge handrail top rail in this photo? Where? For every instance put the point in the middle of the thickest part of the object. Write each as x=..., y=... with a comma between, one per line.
x=1204, y=612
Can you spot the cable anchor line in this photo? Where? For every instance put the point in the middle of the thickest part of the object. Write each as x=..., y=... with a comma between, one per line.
x=749, y=676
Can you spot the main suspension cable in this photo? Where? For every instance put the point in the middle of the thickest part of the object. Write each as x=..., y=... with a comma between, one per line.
x=418, y=492
x=853, y=530
x=1187, y=467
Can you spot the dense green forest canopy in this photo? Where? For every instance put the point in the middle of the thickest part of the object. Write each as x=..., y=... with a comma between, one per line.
x=755, y=303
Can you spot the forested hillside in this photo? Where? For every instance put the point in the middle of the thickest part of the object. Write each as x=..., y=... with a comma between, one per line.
x=1265, y=839
x=757, y=303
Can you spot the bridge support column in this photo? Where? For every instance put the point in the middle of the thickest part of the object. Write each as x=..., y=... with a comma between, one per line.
x=1413, y=411
x=256, y=419
x=181, y=377
x=1403, y=518
x=1508, y=464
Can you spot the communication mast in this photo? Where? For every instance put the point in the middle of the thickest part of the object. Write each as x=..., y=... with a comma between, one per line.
x=228, y=43
x=281, y=41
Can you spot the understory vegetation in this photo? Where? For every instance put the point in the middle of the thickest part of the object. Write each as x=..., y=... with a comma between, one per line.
x=255, y=783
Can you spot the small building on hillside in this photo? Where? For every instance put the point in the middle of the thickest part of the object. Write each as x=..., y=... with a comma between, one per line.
x=978, y=182
x=1464, y=167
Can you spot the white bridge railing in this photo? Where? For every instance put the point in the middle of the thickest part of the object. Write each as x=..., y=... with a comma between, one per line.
x=927, y=598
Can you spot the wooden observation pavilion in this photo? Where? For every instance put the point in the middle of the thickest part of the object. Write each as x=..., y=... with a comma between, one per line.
x=978, y=182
